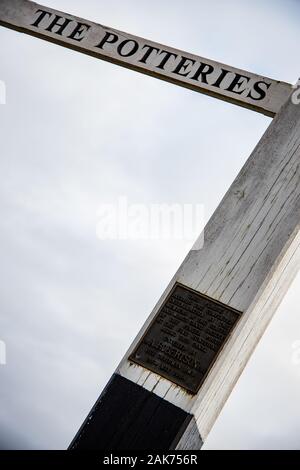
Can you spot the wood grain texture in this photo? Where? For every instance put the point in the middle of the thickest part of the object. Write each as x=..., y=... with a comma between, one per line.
x=249, y=258
x=128, y=417
x=181, y=68
x=251, y=243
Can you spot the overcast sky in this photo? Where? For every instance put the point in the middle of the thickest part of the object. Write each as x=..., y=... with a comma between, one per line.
x=77, y=132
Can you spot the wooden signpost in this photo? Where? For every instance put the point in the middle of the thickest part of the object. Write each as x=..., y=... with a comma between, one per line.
x=176, y=376
x=227, y=83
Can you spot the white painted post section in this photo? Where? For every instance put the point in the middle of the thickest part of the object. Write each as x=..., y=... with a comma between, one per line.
x=249, y=258
x=251, y=243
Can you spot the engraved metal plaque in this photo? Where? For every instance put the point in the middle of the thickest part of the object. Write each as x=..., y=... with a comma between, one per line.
x=185, y=337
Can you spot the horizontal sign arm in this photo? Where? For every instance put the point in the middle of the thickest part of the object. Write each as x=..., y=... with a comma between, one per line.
x=224, y=82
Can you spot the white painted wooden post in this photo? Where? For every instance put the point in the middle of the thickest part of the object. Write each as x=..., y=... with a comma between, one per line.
x=249, y=258
x=176, y=376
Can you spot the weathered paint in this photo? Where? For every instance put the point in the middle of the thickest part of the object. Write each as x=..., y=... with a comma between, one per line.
x=240, y=87
x=249, y=258
x=128, y=417
x=251, y=248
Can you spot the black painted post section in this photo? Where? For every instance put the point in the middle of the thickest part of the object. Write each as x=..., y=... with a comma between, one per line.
x=129, y=417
